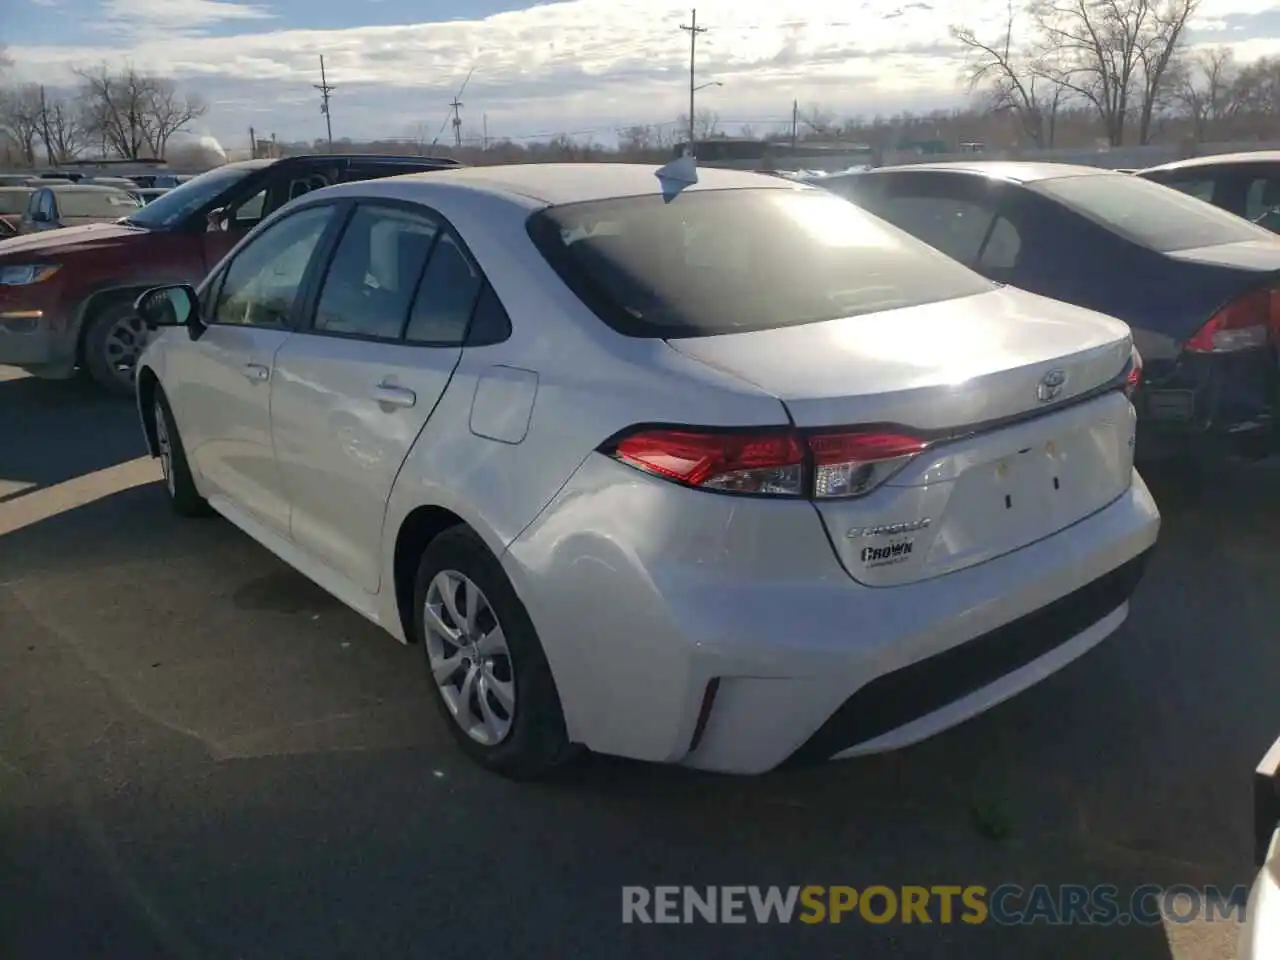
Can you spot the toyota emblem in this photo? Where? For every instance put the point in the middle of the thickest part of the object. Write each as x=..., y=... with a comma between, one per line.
x=1051, y=385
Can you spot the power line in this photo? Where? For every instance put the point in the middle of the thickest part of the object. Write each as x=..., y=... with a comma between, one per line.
x=693, y=30
x=325, y=90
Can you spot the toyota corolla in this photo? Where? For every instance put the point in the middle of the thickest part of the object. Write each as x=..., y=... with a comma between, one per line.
x=703, y=467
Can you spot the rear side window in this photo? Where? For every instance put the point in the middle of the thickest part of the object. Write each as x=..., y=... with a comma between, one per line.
x=956, y=227
x=733, y=261
x=1147, y=213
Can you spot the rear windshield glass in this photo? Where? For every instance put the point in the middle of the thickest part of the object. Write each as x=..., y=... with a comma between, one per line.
x=732, y=261
x=96, y=203
x=14, y=201
x=1149, y=214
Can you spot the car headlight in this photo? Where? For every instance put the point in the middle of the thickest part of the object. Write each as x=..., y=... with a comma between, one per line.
x=27, y=273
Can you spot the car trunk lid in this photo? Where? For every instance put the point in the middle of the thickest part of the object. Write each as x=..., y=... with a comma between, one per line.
x=1008, y=390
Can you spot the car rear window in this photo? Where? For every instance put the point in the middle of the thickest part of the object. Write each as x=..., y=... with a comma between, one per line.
x=732, y=261
x=1158, y=217
x=96, y=203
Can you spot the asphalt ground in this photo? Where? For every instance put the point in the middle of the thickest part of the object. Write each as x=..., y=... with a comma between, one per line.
x=202, y=755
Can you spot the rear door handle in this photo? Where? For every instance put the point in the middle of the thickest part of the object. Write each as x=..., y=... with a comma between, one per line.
x=256, y=371
x=392, y=396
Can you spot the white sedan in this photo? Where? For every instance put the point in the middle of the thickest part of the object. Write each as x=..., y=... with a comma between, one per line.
x=717, y=473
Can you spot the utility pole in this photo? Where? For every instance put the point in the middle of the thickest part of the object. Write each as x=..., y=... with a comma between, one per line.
x=484, y=123
x=44, y=128
x=694, y=30
x=795, y=124
x=325, y=90
x=457, y=122
x=253, y=145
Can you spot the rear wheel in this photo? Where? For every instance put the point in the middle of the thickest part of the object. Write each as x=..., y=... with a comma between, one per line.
x=491, y=679
x=178, y=484
x=113, y=343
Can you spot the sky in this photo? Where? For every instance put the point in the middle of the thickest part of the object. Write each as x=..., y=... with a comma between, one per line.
x=582, y=67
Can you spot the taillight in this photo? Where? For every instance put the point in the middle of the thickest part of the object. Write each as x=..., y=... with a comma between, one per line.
x=738, y=462
x=1240, y=325
x=779, y=463
x=851, y=464
x=1133, y=379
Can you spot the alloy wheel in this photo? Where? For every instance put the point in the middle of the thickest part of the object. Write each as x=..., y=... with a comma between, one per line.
x=165, y=447
x=468, y=657
x=123, y=345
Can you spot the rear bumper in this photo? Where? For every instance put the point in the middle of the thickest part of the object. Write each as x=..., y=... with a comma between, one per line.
x=675, y=635
x=1211, y=407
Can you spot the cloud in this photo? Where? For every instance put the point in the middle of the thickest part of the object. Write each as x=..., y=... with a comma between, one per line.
x=557, y=66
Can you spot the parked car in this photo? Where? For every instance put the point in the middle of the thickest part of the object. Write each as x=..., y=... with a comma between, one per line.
x=1247, y=184
x=13, y=203
x=14, y=179
x=721, y=475
x=148, y=194
x=75, y=204
x=81, y=282
x=1260, y=937
x=120, y=183
x=1196, y=284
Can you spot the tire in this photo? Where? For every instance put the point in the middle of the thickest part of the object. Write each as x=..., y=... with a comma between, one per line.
x=113, y=342
x=178, y=484
x=526, y=740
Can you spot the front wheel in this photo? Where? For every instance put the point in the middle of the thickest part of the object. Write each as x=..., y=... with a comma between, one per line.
x=490, y=676
x=113, y=344
x=178, y=483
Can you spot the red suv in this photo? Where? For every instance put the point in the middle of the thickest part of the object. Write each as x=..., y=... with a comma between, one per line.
x=66, y=296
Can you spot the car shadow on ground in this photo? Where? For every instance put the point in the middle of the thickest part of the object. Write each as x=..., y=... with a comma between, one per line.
x=190, y=766
x=54, y=431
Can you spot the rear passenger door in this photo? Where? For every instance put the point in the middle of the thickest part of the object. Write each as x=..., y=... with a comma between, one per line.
x=354, y=388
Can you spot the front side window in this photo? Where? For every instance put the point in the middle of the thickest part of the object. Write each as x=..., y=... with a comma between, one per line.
x=1200, y=189
x=1262, y=197
x=375, y=270
x=730, y=261
x=261, y=284
x=1148, y=214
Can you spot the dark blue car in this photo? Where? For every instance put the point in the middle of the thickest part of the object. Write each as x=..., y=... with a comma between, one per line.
x=1199, y=286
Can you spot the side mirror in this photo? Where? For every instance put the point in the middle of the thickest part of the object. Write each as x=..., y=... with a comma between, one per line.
x=219, y=220
x=175, y=305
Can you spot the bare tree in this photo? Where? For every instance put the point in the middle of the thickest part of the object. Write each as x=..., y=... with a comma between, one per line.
x=1007, y=76
x=1257, y=87
x=166, y=112
x=1205, y=88
x=818, y=122
x=20, y=116
x=115, y=107
x=1115, y=54
x=61, y=128
x=639, y=139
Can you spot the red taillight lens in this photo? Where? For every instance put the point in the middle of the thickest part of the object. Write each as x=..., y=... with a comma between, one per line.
x=782, y=463
x=740, y=462
x=1240, y=325
x=1133, y=379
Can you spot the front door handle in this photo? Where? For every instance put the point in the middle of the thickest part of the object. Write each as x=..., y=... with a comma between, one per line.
x=256, y=371
x=387, y=395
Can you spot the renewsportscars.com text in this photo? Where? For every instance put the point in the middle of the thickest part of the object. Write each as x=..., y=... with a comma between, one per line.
x=1006, y=905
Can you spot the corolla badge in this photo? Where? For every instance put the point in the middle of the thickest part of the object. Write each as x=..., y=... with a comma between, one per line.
x=1051, y=385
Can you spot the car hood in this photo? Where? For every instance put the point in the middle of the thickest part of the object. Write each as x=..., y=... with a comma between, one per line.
x=1261, y=255
x=68, y=239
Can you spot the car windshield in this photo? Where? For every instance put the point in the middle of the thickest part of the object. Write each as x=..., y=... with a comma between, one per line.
x=732, y=261
x=14, y=201
x=1154, y=216
x=180, y=202
x=96, y=203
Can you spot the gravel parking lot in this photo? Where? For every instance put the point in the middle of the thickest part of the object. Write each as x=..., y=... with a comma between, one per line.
x=203, y=755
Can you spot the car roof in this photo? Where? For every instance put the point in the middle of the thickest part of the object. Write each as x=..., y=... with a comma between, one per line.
x=559, y=183
x=85, y=188
x=1220, y=159
x=1014, y=171
x=16, y=188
